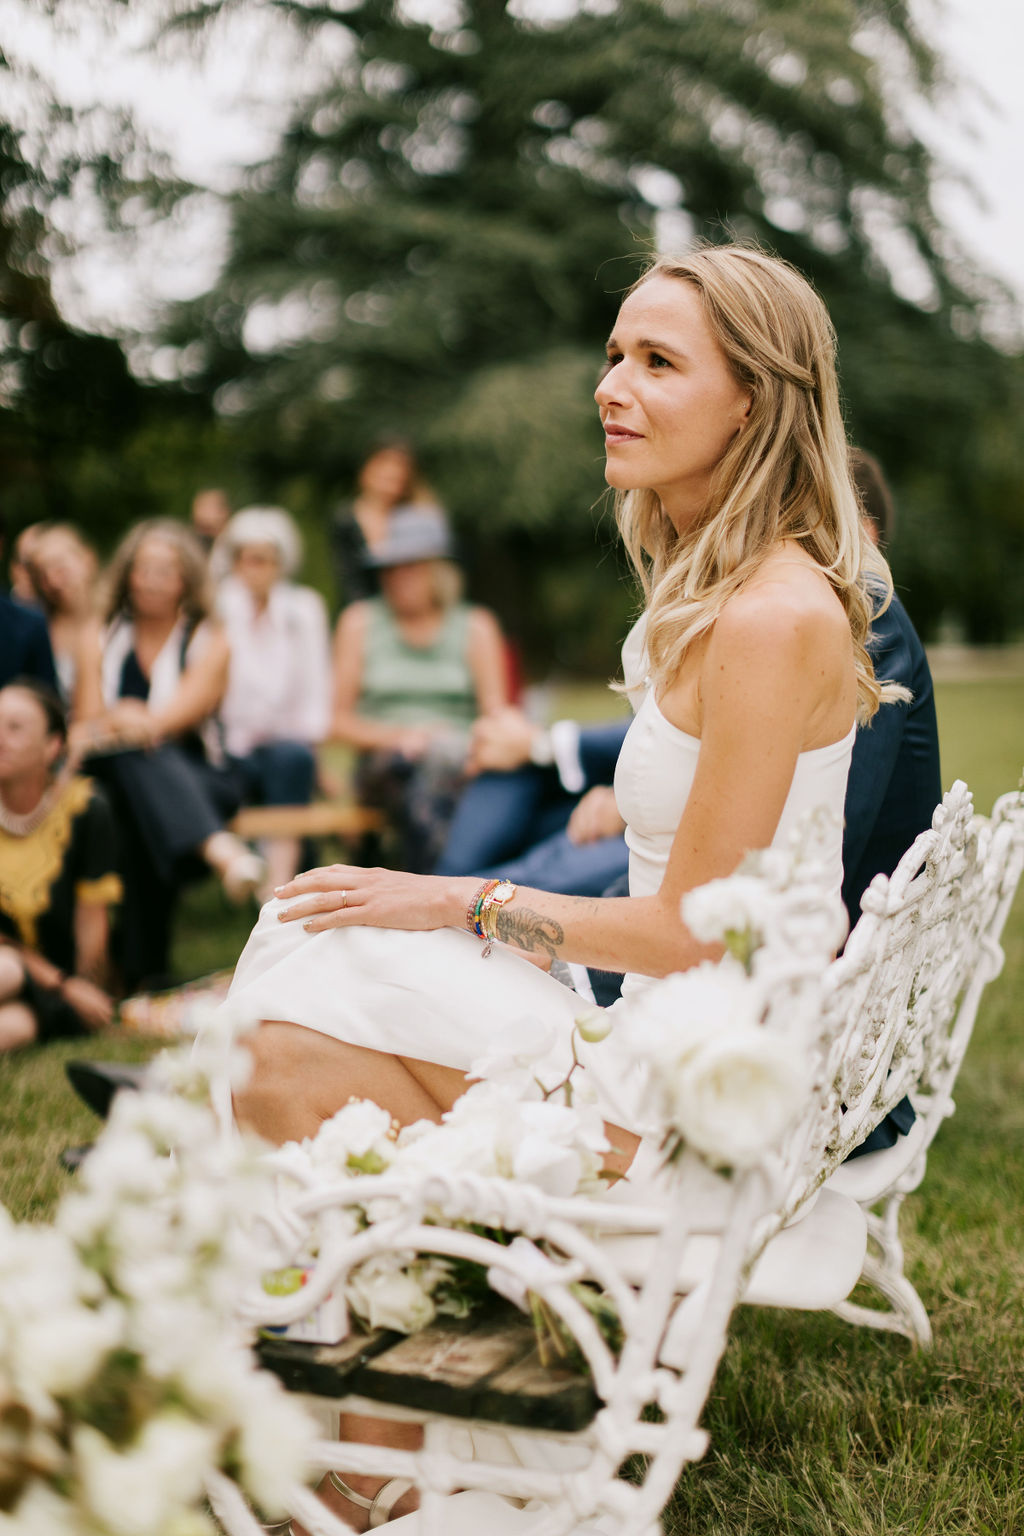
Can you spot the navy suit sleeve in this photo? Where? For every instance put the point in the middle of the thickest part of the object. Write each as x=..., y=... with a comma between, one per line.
x=39, y=658
x=877, y=745
x=895, y=782
x=24, y=645
x=599, y=748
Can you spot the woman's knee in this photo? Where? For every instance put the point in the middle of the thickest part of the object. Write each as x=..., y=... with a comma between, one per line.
x=280, y=1075
x=18, y=1026
x=12, y=975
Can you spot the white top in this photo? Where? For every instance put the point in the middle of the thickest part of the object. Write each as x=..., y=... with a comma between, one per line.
x=655, y=773
x=431, y=996
x=279, y=682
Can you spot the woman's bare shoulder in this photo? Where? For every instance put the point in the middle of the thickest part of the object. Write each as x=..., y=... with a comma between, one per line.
x=788, y=600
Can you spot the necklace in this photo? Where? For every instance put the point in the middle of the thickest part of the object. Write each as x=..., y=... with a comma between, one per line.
x=21, y=825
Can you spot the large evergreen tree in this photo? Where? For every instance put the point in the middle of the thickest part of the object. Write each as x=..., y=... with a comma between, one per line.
x=440, y=239
x=438, y=244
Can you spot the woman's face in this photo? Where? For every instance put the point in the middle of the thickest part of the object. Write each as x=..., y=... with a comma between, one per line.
x=26, y=746
x=65, y=568
x=669, y=403
x=259, y=567
x=156, y=585
x=410, y=590
x=387, y=474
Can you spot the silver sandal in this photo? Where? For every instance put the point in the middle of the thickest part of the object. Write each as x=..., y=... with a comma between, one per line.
x=383, y=1501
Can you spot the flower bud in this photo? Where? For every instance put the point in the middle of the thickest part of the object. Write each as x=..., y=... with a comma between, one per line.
x=593, y=1025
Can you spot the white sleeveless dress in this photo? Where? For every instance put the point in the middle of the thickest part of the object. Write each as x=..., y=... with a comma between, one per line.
x=433, y=996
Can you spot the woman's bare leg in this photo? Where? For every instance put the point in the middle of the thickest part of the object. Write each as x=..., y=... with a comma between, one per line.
x=300, y=1079
x=17, y=1021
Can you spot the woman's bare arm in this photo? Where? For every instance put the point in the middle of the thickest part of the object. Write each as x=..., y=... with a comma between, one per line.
x=92, y=942
x=200, y=688
x=87, y=703
x=488, y=661
x=761, y=685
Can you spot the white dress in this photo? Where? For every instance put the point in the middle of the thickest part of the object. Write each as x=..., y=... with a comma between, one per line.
x=433, y=996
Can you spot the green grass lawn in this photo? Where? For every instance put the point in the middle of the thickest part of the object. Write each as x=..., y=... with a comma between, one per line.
x=816, y=1429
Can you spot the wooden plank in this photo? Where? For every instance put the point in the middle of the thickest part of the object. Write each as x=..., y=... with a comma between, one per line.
x=324, y=1369
x=484, y=1367
x=324, y=818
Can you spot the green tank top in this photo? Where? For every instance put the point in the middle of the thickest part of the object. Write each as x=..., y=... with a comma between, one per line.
x=418, y=685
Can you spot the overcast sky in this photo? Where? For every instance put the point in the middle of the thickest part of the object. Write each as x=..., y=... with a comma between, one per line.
x=213, y=118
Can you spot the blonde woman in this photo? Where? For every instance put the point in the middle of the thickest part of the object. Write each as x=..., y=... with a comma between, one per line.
x=725, y=444
x=161, y=669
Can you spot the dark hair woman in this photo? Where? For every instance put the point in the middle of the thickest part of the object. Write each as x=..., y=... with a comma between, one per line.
x=58, y=881
x=389, y=478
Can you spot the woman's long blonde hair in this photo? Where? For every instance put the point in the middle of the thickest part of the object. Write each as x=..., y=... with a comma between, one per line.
x=785, y=476
x=195, y=598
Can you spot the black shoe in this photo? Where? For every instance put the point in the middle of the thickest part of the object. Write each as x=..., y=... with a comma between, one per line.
x=96, y=1082
x=72, y=1158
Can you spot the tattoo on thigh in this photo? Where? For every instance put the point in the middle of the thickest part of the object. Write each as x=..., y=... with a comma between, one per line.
x=527, y=929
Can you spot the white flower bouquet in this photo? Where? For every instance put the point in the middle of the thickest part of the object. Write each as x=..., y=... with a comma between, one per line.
x=126, y=1381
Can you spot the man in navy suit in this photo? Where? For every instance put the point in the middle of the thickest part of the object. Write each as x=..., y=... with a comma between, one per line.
x=24, y=640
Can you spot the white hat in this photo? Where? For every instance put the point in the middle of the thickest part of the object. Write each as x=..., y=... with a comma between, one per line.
x=414, y=533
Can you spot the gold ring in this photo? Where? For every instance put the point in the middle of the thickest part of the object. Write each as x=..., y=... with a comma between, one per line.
x=344, y=900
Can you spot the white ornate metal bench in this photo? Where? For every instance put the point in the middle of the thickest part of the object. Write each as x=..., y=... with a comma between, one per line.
x=900, y=1004
x=892, y=1015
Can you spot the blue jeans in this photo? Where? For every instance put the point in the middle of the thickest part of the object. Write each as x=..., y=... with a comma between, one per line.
x=279, y=773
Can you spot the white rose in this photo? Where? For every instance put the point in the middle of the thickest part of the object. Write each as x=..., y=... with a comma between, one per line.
x=738, y=904
x=389, y=1298
x=594, y=1024
x=61, y=1351
x=735, y=1097
x=673, y=1017
x=136, y=1492
x=42, y=1512
x=557, y=1148
x=357, y=1131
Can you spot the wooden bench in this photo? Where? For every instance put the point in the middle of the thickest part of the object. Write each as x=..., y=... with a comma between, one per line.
x=323, y=818
x=891, y=1016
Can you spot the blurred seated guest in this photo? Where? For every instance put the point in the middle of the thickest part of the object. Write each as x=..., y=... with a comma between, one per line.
x=278, y=699
x=23, y=586
x=895, y=781
x=64, y=570
x=412, y=670
x=211, y=510
x=24, y=639
x=57, y=878
x=540, y=805
x=389, y=479
x=163, y=670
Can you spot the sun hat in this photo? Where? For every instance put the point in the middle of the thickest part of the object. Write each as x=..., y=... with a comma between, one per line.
x=264, y=525
x=414, y=533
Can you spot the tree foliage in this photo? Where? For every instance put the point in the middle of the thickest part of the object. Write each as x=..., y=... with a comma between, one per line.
x=439, y=241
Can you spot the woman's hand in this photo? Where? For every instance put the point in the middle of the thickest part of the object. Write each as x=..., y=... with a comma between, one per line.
x=93, y=1006
x=131, y=722
x=595, y=816
x=347, y=896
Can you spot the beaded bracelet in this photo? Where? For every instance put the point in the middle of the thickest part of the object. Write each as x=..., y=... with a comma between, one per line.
x=476, y=906
x=502, y=892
